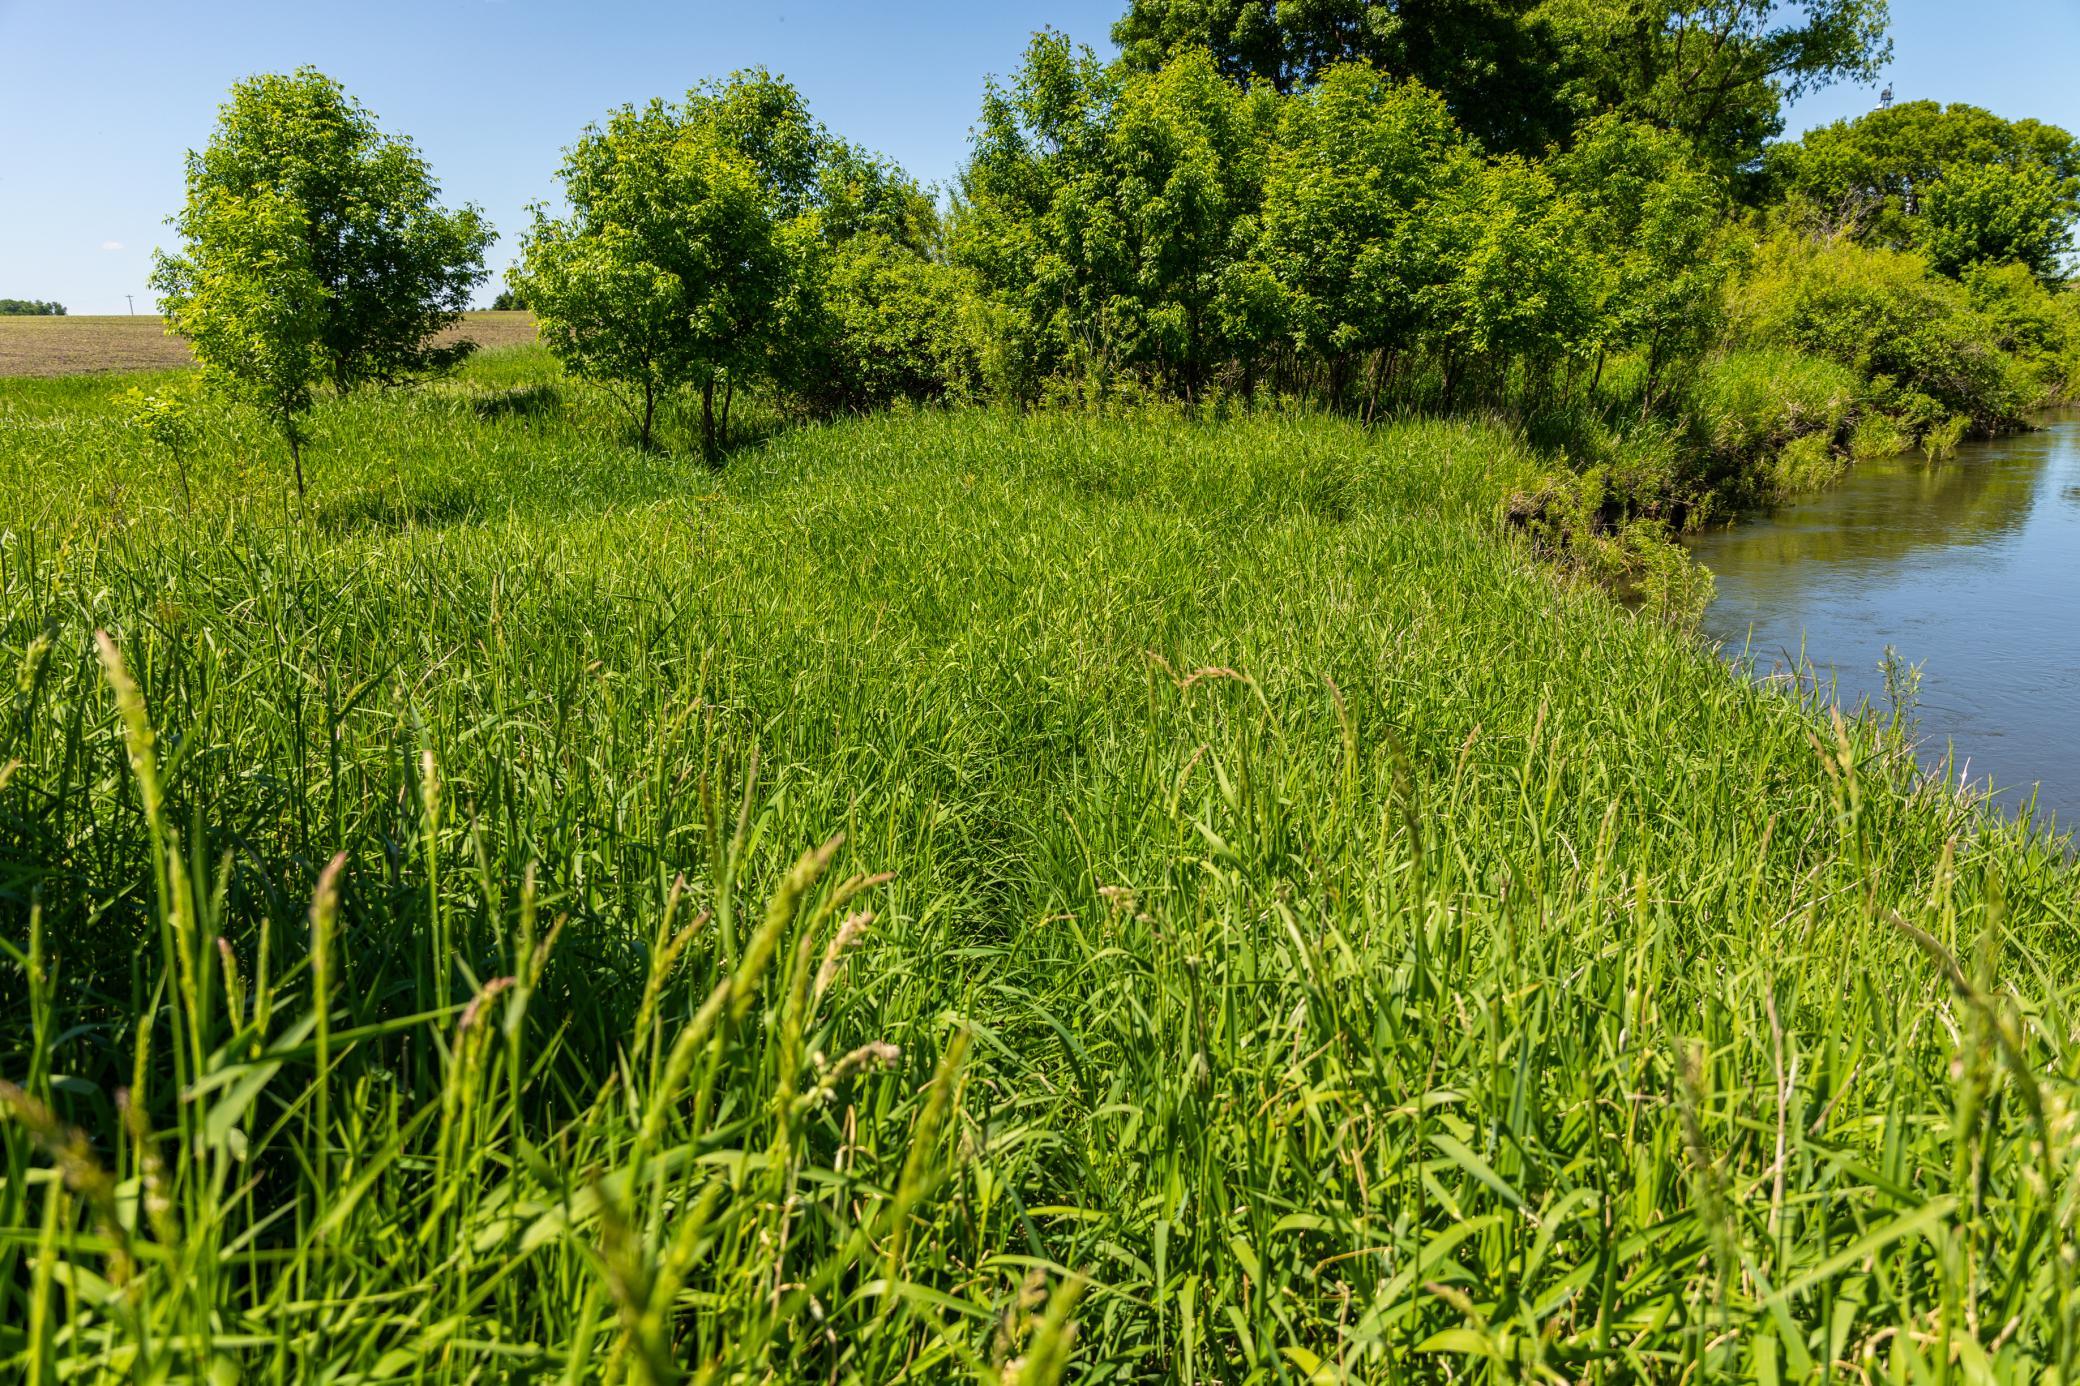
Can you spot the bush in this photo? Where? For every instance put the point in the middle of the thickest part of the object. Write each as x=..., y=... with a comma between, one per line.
x=2041, y=329
x=1927, y=352
x=1877, y=435
x=1940, y=440
x=899, y=327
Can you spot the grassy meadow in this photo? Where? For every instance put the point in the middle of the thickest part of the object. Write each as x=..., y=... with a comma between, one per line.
x=961, y=896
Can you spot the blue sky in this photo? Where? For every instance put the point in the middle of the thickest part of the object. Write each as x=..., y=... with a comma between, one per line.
x=102, y=97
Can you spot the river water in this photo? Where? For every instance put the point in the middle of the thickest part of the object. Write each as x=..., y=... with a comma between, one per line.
x=1968, y=569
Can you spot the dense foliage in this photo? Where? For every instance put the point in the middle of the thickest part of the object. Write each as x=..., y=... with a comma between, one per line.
x=1520, y=75
x=30, y=308
x=1180, y=232
x=1190, y=224
x=1957, y=182
x=1266, y=201
x=732, y=238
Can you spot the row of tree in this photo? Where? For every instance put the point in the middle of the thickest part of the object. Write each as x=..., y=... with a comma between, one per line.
x=1177, y=228
x=1254, y=195
x=30, y=308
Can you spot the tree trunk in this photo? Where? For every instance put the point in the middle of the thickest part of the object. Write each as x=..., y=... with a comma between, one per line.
x=708, y=419
x=729, y=395
x=1655, y=366
x=649, y=414
x=296, y=457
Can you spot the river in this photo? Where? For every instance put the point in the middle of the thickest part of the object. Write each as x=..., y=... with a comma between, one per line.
x=1968, y=569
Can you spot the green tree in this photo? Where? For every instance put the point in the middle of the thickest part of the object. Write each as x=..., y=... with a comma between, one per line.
x=1990, y=214
x=1717, y=72
x=1519, y=287
x=1521, y=74
x=859, y=193
x=869, y=304
x=1493, y=61
x=396, y=268
x=30, y=308
x=667, y=270
x=879, y=314
x=1650, y=218
x=1030, y=218
x=251, y=303
x=314, y=249
x=1351, y=222
x=863, y=309
x=1110, y=215
x=1872, y=176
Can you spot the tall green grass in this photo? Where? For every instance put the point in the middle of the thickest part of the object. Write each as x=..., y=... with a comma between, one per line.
x=962, y=897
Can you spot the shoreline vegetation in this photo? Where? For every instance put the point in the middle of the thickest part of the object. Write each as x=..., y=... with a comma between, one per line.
x=1040, y=784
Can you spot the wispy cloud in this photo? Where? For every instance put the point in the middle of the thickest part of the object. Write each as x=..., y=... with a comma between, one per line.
x=111, y=245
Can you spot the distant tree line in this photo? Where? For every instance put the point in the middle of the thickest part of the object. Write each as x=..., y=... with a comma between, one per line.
x=30, y=308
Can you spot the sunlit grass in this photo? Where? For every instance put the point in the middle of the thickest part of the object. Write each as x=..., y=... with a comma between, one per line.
x=1186, y=901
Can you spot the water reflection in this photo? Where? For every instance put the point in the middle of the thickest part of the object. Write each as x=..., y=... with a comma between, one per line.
x=1970, y=569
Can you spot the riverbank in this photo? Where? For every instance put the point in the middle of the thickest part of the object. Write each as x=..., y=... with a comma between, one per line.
x=1960, y=572
x=1321, y=936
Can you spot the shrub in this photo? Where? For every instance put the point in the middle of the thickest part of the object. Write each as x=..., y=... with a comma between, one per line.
x=1928, y=353
x=2041, y=329
x=898, y=324
x=1877, y=435
x=1940, y=440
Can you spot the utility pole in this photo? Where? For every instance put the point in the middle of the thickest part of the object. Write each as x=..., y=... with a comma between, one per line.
x=131, y=299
